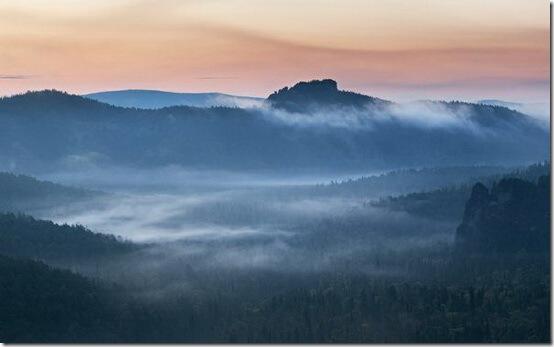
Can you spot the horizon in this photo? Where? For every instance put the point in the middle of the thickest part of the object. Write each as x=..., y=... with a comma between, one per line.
x=275, y=171
x=440, y=50
x=475, y=101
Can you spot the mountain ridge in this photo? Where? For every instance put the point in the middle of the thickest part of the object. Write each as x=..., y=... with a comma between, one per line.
x=305, y=92
x=303, y=96
x=155, y=99
x=56, y=128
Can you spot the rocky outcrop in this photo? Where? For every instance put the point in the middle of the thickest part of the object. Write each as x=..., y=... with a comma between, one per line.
x=513, y=216
x=307, y=96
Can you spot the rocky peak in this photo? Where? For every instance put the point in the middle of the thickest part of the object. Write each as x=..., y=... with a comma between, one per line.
x=306, y=96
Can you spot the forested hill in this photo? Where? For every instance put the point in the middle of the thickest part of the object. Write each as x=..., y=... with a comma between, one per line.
x=52, y=103
x=39, y=303
x=448, y=201
x=24, y=236
x=410, y=180
x=309, y=96
x=21, y=193
x=50, y=129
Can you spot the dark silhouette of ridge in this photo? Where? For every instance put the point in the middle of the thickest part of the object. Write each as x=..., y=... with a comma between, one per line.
x=317, y=93
x=51, y=101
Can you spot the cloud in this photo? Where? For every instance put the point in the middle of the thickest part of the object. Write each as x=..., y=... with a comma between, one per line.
x=241, y=102
x=426, y=114
x=15, y=77
x=538, y=110
x=296, y=233
x=431, y=115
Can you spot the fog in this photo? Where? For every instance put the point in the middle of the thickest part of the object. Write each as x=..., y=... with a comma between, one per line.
x=242, y=223
x=424, y=114
x=199, y=216
x=194, y=225
x=94, y=175
x=232, y=235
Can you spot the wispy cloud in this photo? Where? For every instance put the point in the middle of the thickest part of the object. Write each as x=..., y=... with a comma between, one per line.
x=15, y=77
x=216, y=78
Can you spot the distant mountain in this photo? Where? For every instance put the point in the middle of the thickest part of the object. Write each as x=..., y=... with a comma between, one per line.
x=152, y=99
x=327, y=129
x=537, y=109
x=316, y=94
x=494, y=102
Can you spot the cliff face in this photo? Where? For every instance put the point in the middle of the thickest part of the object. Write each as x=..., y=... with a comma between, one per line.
x=513, y=216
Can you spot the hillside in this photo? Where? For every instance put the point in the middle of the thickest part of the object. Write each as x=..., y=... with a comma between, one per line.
x=24, y=236
x=409, y=180
x=42, y=304
x=448, y=201
x=21, y=193
x=152, y=99
x=47, y=130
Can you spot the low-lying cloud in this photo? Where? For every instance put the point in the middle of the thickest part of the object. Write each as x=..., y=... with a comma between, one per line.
x=250, y=228
x=424, y=114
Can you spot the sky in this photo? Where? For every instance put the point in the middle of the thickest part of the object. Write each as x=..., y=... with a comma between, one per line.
x=394, y=49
